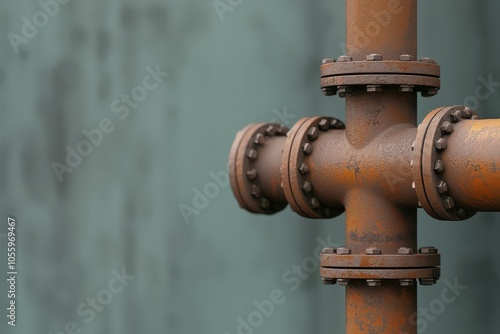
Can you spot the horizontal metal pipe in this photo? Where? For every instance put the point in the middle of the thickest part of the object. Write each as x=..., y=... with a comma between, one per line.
x=382, y=167
x=472, y=159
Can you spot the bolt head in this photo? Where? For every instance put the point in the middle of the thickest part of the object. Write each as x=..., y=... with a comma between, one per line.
x=447, y=128
x=448, y=203
x=406, y=88
x=270, y=130
x=406, y=282
x=314, y=203
x=324, y=124
x=456, y=116
x=307, y=187
x=428, y=250
x=439, y=166
x=467, y=113
x=344, y=59
x=252, y=154
x=328, y=91
x=264, y=203
x=328, y=281
x=328, y=250
x=336, y=124
x=428, y=60
x=252, y=174
x=405, y=251
x=343, y=251
x=441, y=144
x=427, y=281
x=328, y=61
x=303, y=169
x=256, y=191
x=313, y=134
x=374, y=57
x=374, y=282
x=344, y=90
x=373, y=88
x=429, y=92
x=406, y=58
x=343, y=281
x=461, y=213
x=442, y=187
x=281, y=130
x=259, y=139
x=373, y=251
x=307, y=148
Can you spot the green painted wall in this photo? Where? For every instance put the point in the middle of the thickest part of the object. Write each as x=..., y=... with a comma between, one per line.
x=119, y=206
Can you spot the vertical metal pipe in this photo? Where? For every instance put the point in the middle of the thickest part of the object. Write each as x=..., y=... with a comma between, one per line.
x=388, y=28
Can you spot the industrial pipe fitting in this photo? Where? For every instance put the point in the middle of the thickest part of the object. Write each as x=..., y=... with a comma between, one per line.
x=377, y=167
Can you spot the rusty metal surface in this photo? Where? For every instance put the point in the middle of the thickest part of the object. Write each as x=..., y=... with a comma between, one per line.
x=254, y=163
x=297, y=165
x=380, y=261
x=377, y=166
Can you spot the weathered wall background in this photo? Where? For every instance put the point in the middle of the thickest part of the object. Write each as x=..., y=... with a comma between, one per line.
x=120, y=206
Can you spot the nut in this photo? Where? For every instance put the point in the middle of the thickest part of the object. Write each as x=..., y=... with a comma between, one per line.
x=265, y=204
x=373, y=88
x=428, y=60
x=447, y=127
x=307, y=187
x=427, y=281
x=406, y=58
x=406, y=282
x=344, y=59
x=374, y=282
x=328, y=91
x=467, y=113
x=343, y=251
x=270, y=130
x=252, y=174
x=439, y=166
x=252, y=154
x=344, y=90
x=373, y=251
x=328, y=61
x=429, y=92
x=304, y=168
x=456, y=116
x=282, y=130
x=374, y=57
x=343, y=281
x=329, y=281
x=307, y=148
x=406, y=88
x=313, y=134
x=405, y=251
x=336, y=124
x=314, y=203
x=442, y=187
x=259, y=139
x=428, y=250
x=448, y=203
x=255, y=191
x=441, y=144
x=461, y=213
x=324, y=124
x=328, y=250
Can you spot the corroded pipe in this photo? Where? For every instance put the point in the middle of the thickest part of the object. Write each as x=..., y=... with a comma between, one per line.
x=472, y=159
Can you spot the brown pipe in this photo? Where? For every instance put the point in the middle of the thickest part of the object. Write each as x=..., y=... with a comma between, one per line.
x=472, y=159
x=382, y=166
x=386, y=27
x=372, y=220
